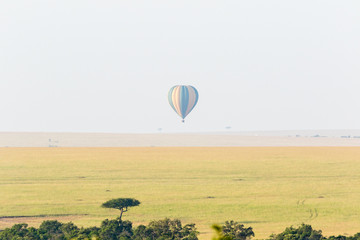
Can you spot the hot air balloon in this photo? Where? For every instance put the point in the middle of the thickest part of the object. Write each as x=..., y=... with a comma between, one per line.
x=183, y=99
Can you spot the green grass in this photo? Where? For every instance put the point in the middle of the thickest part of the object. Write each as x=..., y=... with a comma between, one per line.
x=268, y=188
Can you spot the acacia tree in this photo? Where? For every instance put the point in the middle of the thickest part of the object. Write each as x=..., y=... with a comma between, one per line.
x=121, y=204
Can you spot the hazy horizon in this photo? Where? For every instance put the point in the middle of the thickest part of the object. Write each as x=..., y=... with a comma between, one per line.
x=90, y=66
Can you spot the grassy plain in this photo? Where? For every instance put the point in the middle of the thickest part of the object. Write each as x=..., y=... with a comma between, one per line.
x=268, y=188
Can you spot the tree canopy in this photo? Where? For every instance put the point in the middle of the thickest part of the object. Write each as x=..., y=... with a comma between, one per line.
x=121, y=204
x=114, y=229
x=237, y=231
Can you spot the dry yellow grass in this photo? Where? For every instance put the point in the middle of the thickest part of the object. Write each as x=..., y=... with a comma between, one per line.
x=268, y=188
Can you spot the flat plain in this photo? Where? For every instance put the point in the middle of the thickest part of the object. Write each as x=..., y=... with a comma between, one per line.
x=267, y=188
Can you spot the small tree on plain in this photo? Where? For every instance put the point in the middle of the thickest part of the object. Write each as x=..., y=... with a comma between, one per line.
x=121, y=204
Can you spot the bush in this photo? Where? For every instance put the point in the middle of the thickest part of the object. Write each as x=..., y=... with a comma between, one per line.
x=19, y=231
x=237, y=231
x=303, y=232
x=166, y=229
x=115, y=229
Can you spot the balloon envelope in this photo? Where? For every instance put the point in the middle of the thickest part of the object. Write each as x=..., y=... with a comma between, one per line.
x=183, y=99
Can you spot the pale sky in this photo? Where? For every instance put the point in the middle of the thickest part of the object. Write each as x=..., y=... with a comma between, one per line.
x=106, y=66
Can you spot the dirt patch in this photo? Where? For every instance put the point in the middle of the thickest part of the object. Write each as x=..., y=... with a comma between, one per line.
x=238, y=179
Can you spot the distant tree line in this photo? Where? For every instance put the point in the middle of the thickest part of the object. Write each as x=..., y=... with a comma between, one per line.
x=306, y=232
x=115, y=229
x=165, y=229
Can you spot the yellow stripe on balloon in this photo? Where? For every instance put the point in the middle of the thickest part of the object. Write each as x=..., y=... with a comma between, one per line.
x=176, y=99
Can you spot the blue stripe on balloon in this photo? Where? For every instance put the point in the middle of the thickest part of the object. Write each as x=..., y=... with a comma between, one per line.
x=184, y=100
x=197, y=96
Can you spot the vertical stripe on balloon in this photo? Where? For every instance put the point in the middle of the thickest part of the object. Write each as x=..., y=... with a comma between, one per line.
x=176, y=99
x=184, y=100
x=192, y=99
x=170, y=98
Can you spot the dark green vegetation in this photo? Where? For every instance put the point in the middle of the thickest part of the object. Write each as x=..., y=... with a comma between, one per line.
x=232, y=231
x=306, y=232
x=121, y=204
x=109, y=230
x=166, y=229
x=237, y=231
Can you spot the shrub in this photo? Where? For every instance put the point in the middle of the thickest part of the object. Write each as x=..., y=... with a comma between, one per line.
x=237, y=231
x=303, y=232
